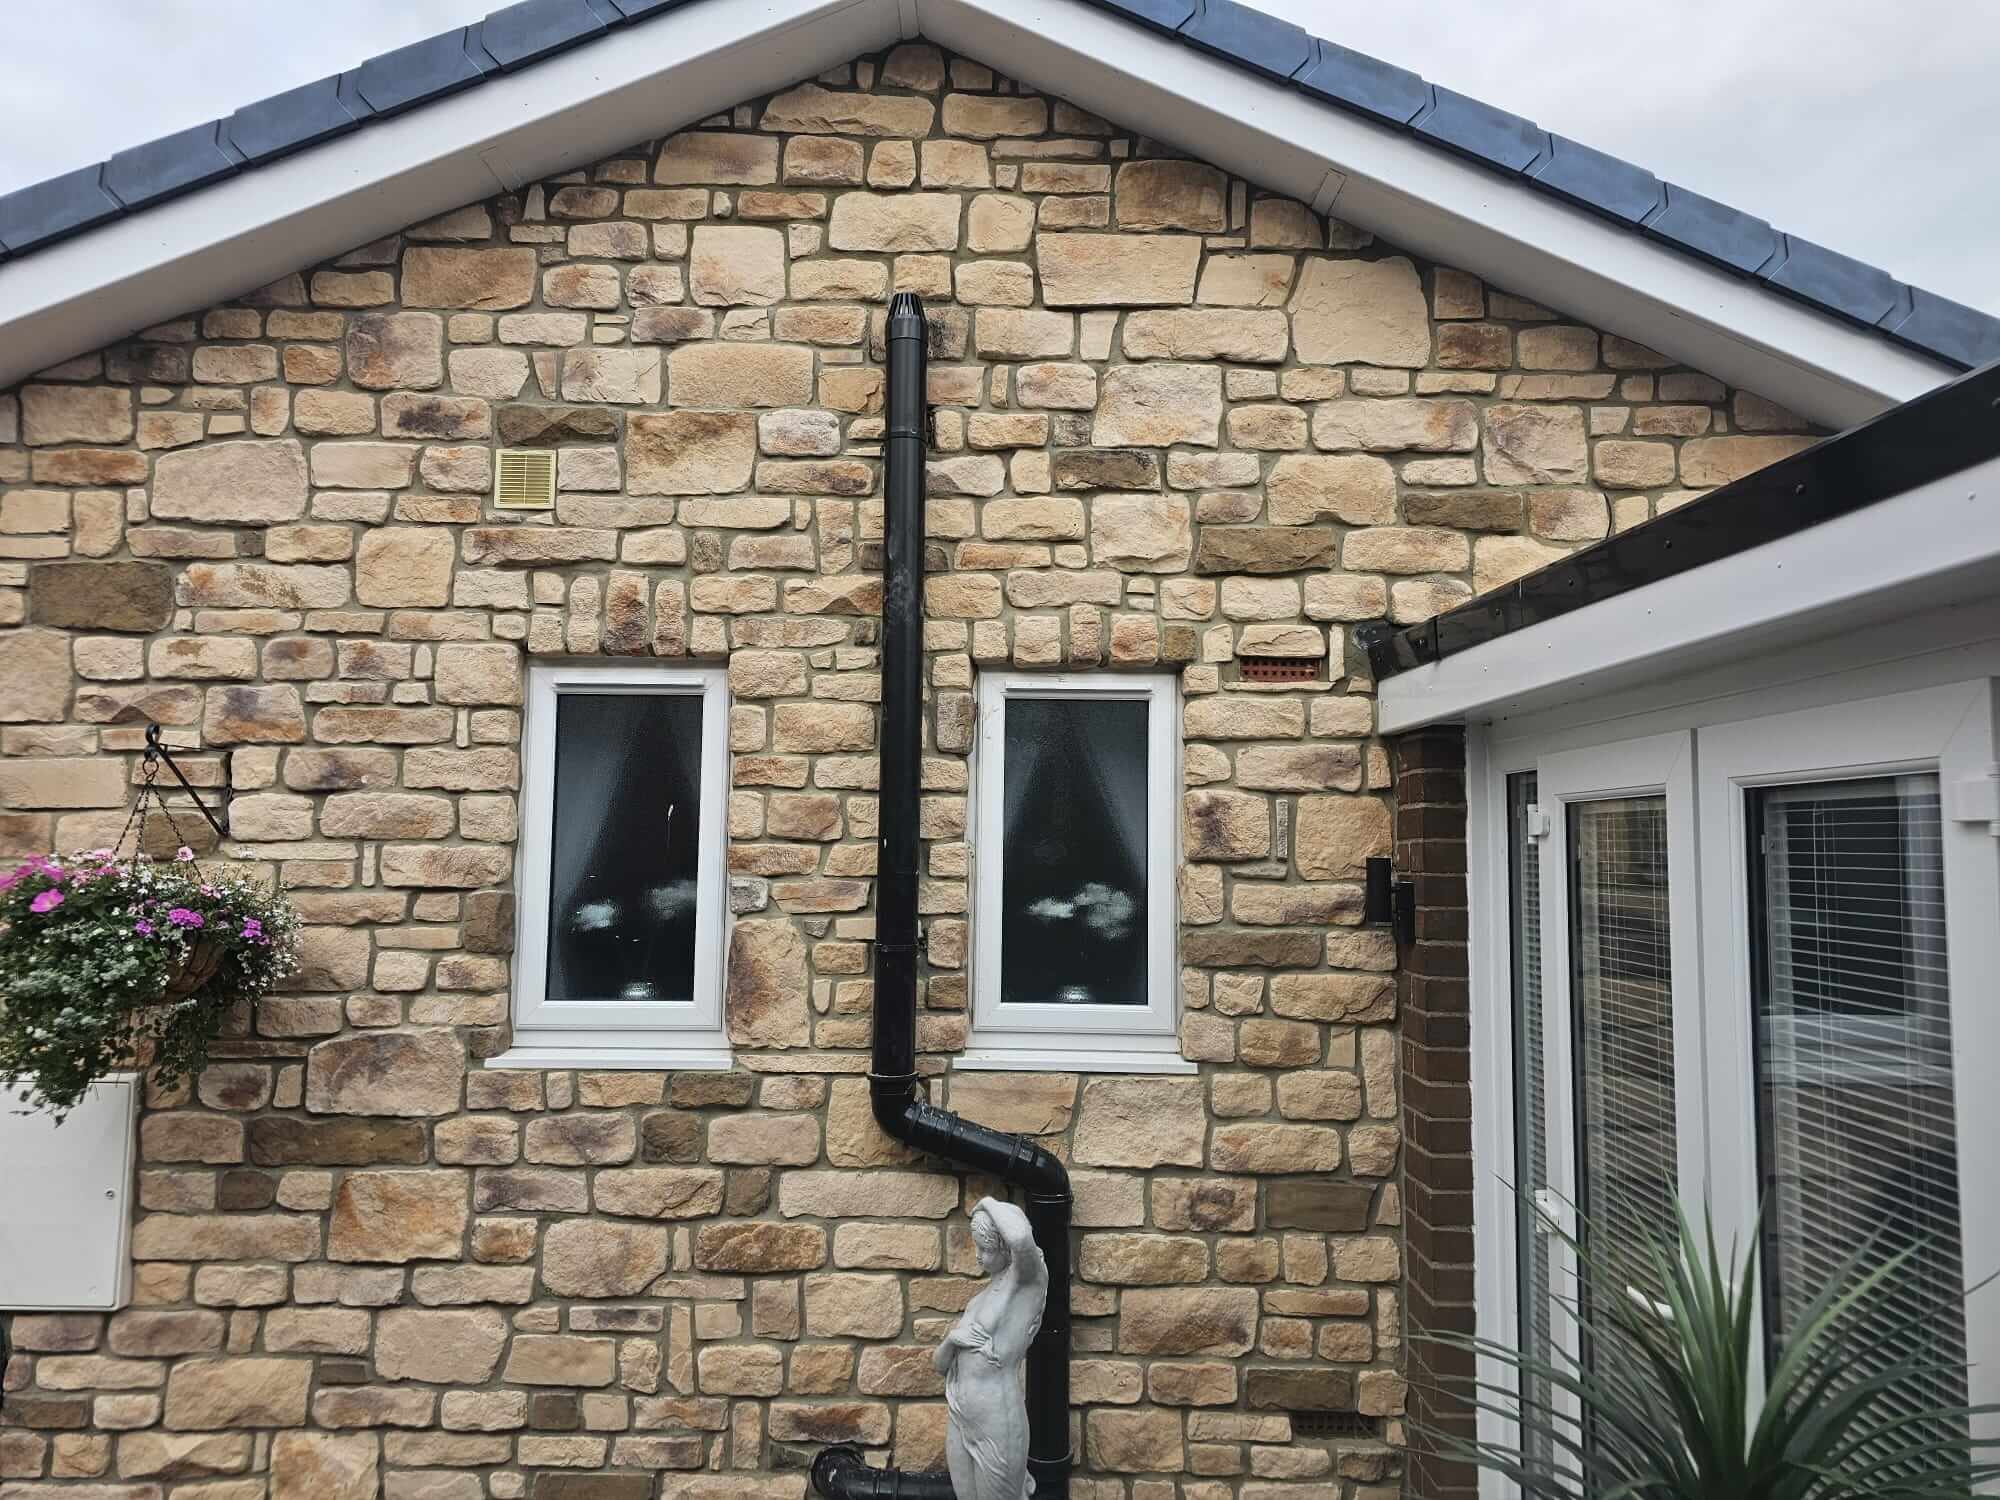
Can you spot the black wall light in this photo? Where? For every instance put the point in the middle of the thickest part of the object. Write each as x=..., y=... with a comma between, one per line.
x=1389, y=902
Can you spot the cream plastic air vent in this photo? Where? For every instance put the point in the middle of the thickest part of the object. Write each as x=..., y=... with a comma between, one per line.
x=525, y=479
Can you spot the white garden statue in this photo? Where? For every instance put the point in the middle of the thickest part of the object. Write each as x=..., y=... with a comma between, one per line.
x=986, y=1430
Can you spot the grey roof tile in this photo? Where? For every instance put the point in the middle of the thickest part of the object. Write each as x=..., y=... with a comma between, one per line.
x=290, y=121
x=1482, y=132
x=173, y=164
x=1838, y=283
x=431, y=69
x=1365, y=84
x=1597, y=181
x=54, y=209
x=1250, y=37
x=1714, y=231
x=533, y=29
x=1938, y=325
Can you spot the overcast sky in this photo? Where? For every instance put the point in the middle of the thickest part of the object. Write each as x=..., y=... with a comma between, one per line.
x=1865, y=125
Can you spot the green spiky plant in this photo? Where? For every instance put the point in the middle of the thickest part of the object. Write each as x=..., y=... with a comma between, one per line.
x=1661, y=1408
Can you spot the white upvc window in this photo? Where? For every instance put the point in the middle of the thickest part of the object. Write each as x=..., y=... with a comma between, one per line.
x=622, y=887
x=1076, y=791
x=1748, y=961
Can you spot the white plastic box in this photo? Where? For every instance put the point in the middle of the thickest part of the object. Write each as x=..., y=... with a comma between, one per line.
x=66, y=1201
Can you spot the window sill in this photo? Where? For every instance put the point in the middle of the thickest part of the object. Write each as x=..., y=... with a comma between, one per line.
x=663, y=1059
x=1069, y=1060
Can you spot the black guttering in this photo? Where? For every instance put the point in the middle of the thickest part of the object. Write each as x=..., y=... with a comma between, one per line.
x=840, y=1472
x=1929, y=438
x=520, y=35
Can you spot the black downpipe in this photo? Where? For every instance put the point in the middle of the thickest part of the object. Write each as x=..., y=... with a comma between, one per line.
x=841, y=1472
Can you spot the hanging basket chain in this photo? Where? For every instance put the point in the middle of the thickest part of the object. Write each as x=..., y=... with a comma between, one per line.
x=149, y=791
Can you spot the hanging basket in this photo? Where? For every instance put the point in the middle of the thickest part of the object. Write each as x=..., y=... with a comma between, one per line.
x=110, y=960
x=194, y=971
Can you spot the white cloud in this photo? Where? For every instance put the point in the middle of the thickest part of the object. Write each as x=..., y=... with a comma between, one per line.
x=1864, y=126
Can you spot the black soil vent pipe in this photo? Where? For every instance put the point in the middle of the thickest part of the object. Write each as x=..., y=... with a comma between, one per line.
x=841, y=1473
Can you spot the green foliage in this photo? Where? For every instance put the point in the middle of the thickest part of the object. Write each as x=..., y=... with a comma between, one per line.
x=105, y=964
x=1662, y=1409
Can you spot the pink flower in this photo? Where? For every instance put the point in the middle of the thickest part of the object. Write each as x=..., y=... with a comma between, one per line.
x=144, y=929
x=180, y=916
x=47, y=901
x=184, y=854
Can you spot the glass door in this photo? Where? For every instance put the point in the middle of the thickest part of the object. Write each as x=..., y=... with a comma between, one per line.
x=1609, y=1120
x=1852, y=894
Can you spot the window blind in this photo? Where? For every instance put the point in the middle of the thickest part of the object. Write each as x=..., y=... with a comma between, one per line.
x=1622, y=990
x=1857, y=1129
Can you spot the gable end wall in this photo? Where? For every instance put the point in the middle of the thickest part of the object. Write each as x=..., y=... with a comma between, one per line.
x=1177, y=422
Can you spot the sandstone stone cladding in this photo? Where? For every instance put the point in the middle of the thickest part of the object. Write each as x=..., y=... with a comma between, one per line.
x=1178, y=422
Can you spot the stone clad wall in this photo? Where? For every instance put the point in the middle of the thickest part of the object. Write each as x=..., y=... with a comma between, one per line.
x=1177, y=421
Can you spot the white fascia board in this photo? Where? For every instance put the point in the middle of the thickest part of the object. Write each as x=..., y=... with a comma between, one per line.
x=1424, y=199
x=1929, y=546
x=634, y=84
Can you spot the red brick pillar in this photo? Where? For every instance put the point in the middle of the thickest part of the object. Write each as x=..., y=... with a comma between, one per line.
x=1437, y=1097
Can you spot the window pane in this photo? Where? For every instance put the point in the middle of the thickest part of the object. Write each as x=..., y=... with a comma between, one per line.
x=1073, y=862
x=627, y=830
x=1856, y=1133
x=1624, y=1019
x=1531, y=1153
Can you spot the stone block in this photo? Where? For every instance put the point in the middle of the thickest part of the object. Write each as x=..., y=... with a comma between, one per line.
x=134, y=596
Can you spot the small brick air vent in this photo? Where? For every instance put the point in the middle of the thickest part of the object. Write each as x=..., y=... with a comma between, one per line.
x=1279, y=668
x=525, y=479
x=1332, y=1424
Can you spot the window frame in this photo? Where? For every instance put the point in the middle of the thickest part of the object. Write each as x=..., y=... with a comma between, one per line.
x=618, y=1034
x=1945, y=730
x=1653, y=766
x=1102, y=1038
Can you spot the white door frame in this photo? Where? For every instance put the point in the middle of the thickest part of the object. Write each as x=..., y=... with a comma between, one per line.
x=1949, y=730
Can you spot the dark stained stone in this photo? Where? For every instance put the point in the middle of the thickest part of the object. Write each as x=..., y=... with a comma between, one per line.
x=343, y=1372
x=531, y=1188
x=48, y=1412
x=710, y=1090
x=554, y=1411
x=240, y=1189
x=1264, y=549
x=137, y=596
x=1105, y=469
x=1310, y=1203
x=1467, y=510
x=1276, y=948
x=748, y=1190
x=671, y=325
x=276, y=1141
x=546, y=426
x=488, y=923
x=1299, y=1390
x=670, y=1135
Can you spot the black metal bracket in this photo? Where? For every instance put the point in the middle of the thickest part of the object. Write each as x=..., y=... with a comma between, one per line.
x=157, y=753
x=1389, y=902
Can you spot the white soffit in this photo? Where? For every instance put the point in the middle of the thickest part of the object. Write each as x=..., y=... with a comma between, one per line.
x=1424, y=199
x=646, y=80
x=1936, y=545
x=563, y=112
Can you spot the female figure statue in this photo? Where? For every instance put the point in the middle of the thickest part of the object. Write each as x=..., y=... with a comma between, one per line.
x=986, y=1434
